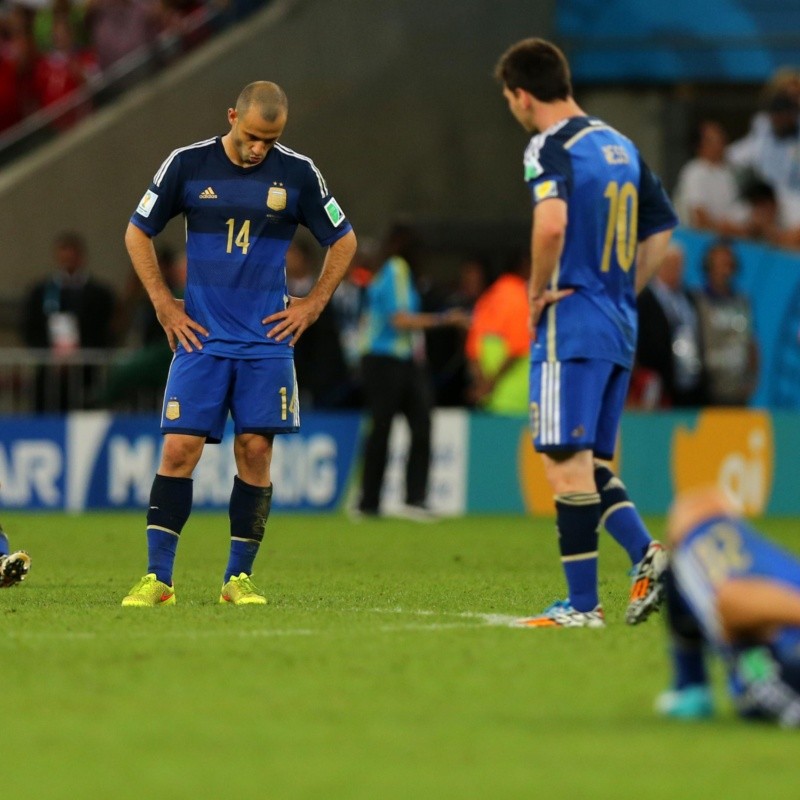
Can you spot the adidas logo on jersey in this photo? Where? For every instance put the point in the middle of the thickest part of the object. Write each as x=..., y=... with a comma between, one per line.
x=208, y=194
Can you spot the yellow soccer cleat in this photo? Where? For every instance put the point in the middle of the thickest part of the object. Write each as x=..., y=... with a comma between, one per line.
x=13, y=568
x=149, y=591
x=241, y=591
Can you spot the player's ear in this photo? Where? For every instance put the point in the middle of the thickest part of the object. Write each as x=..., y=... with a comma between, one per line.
x=232, y=116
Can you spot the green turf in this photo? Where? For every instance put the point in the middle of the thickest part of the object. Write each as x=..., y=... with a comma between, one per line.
x=371, y=674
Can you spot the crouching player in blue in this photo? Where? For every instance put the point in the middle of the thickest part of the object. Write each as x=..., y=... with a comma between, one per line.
x=601, y=225
x=731, y=592
x=242, y=196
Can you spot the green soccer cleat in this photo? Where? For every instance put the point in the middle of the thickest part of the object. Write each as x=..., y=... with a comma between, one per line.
x=13, y=568
x=241, y=591
x=149, y=591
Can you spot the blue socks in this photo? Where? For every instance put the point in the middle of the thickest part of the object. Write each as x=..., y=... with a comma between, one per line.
x=170, y=506
x=619, y=516
x=577, y=520
x=248, y=512
x=5, y=548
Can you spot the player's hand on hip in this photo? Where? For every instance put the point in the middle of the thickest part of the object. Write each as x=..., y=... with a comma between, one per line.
x=180, y=327
x=293, y=320
x=538, y=304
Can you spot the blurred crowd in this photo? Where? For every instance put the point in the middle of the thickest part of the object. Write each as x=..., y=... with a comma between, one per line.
x=699, y=347
x=51, y=48
x=749, y=188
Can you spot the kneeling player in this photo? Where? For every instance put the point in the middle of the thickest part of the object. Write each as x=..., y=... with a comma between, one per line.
x=731, y=591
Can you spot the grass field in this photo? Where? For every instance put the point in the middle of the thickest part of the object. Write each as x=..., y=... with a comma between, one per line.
x=382, y=668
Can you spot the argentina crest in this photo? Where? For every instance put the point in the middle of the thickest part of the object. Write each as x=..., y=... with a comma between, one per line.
x=276, y=197
x=172, y=410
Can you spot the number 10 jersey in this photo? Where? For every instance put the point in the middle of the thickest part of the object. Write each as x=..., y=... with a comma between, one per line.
x=613, y=202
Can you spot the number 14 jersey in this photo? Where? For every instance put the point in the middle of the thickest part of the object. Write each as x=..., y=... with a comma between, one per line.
x=239, y=224
x=613, y=202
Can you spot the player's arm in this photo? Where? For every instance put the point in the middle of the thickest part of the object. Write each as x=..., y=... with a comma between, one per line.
x=547, y=243
x=649, y=256
x=424, y=321
x=304, y=311
x=178, y=326
x=752, y=608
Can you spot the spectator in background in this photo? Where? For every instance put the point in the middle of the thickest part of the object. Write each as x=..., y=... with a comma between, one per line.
x=498, y=343
x=12, y=105
x=21, y=57
x=63, y=313
x=767, y=222
x=45, y=18
x=63, y=69
x=707, y=195
x=322, y=374
x=444, y=346
x=395, y=380
x=668, y=371
x=473, y=278
x=730, y=352
x=118, y=28
x=771, y=149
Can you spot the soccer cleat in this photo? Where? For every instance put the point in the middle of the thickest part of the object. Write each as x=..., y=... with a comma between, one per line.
x=691, y=702
x=149, y=591
x=562, y=615
x=241, y=591
x=647, y=590
x=13, y=568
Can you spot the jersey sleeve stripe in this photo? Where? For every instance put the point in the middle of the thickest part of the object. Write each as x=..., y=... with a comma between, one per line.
x=323, y=187
x=162, y=170
x=580, y=134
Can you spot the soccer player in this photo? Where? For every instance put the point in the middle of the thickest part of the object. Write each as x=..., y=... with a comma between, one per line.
x=13, y=566
x=601, y=223
x=242, y=196
x=730, y=591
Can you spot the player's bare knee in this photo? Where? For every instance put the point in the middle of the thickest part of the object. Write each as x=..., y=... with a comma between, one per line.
x=253, y=453
x=180, y=455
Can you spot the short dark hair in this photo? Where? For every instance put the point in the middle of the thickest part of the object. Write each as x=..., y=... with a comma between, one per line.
x=723, y=243
x=538, y=67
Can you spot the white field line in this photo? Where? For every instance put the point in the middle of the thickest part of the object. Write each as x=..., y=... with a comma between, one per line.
x=462, y=620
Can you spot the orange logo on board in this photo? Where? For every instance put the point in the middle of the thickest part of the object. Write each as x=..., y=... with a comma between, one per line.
x=732, y=448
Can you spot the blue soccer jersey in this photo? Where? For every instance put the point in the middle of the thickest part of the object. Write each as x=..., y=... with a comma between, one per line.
x=720, y=549
x=614, y=201
x=239, y=224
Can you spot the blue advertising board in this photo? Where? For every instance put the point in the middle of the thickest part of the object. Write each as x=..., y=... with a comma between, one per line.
x=98, y=460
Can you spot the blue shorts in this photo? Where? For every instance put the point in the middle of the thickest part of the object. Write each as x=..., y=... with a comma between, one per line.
x=577, y=405
x=260, y=394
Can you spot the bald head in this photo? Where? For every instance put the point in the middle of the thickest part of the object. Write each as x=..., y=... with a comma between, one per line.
x=267, y=98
